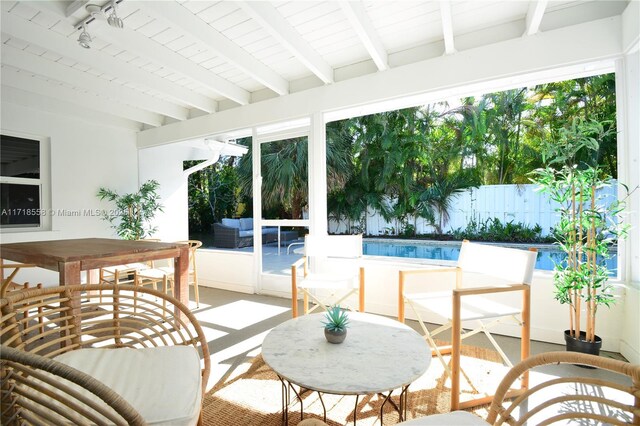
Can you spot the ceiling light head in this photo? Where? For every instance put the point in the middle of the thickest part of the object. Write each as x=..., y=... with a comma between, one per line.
x=93, y=9
x=84, y=39
x=113, y=19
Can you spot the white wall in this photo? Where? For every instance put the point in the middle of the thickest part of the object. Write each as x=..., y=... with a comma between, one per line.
x=164, y=164
x=84, y=157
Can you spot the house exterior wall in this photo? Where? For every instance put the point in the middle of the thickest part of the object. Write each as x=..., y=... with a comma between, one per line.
x=84, y=157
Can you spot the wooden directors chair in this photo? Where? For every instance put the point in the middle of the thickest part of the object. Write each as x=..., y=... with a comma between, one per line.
x=498, y=270
x=317, y=275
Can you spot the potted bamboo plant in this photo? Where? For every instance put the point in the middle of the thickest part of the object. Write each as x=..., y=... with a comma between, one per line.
x=589, y=226
x=134, y=211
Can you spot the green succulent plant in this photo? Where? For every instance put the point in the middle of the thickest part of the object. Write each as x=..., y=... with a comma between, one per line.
x=337, y=319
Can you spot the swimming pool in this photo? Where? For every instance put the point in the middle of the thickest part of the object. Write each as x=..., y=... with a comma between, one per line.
x=547, y=257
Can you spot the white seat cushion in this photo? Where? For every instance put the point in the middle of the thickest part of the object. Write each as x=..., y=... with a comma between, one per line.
x=471, y=307
x=163, y=384
x=454, y=418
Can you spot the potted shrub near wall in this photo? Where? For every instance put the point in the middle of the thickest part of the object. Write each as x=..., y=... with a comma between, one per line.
x=589, y=227
x=133, y=212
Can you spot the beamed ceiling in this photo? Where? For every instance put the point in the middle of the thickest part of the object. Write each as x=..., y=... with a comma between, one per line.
x=176, y=60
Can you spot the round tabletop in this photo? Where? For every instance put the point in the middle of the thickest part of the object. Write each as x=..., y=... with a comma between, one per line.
x=378, y=355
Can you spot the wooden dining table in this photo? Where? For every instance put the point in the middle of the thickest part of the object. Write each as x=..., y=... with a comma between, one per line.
x=70, y=257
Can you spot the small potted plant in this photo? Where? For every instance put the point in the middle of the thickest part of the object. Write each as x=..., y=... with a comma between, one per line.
x=335, y=326
x=587, y=230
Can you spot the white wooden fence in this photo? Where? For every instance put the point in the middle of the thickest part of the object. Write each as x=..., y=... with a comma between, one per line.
x=509, y=203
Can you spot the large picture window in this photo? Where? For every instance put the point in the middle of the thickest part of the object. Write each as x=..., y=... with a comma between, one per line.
x=21, y=185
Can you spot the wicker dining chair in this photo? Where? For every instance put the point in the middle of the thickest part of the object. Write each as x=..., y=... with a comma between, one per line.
x=164, y=275
x=9, y=285
x=142, y=343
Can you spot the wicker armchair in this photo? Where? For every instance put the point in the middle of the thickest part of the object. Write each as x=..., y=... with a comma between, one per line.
x=143, y=344
x=40, y=390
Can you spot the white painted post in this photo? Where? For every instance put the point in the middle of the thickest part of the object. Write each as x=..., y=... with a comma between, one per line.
x=318, y=175
x=257, y=211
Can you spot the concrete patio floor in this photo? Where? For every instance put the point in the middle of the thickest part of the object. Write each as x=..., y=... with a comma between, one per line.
x=236, y=323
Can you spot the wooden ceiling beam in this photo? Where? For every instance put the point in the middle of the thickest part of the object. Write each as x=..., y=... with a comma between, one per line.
x=68, y=48
x=56, y=71
x=27, y=82
x=161, y=55
x=174, y=14
x=357, y=16
x=447, y=27
x=60, y=107
x=534, y=16
x=272, y=21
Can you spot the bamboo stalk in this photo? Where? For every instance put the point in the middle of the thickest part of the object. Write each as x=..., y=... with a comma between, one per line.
x=577, y=249
x=594, y=265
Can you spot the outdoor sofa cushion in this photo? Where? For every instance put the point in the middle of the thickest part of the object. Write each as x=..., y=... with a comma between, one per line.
x=164, y=384
x=231, y=223
x=246, y=224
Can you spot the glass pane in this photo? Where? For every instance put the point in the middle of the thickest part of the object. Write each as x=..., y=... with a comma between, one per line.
x=220, y=202
x=20, y=205
x=284, y=179
x=277, y=258
x=20, y=157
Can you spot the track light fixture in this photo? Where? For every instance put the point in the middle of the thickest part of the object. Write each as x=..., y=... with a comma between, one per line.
x=113, y=19
x=97, y=12
x=84, y=39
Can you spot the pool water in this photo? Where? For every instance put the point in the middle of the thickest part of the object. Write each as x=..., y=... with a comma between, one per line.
x=546, y=259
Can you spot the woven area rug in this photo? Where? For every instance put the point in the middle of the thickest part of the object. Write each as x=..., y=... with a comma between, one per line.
x=251, y=395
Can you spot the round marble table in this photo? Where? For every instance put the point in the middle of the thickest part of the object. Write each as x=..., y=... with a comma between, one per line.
x=378, y=356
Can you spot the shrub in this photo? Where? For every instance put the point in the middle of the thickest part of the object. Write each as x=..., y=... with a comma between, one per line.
x=494, y=230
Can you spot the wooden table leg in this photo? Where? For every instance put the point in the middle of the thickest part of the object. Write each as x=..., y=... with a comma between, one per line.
x=181, y=277
x=70, y=275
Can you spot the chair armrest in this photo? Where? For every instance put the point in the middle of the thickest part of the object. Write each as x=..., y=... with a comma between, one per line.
x=428, y=271
x=489, y=290
x=300, y=262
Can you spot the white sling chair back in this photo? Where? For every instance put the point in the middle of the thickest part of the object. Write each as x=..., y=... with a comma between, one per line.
x=319, y=272
x=494, y=271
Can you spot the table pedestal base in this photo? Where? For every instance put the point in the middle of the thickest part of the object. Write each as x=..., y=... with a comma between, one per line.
x=287, y=387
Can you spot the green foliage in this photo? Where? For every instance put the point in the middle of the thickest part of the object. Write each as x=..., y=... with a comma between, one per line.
x=411, y=163
x=213, y=193
x=336, y=318
x=133, y=211
x=494, y=230
x=587, y=227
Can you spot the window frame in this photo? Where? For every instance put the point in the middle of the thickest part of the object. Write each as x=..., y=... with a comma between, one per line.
x=43, y=182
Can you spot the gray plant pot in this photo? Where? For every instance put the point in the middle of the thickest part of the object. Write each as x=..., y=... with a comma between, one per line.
x=335, y=336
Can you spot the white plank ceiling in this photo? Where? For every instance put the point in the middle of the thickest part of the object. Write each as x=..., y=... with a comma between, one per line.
x=175, y=60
